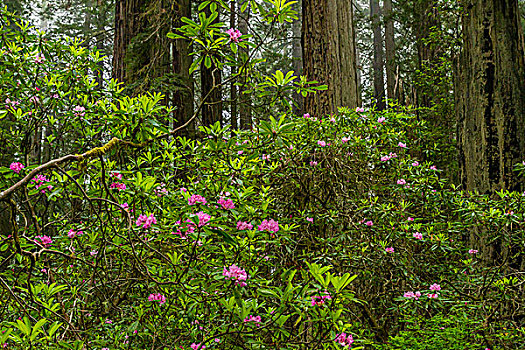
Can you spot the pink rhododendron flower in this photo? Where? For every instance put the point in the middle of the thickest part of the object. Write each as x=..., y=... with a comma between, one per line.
x=345, y=139
x=117, y=185
x=39, y=58
x=381, y=120
x=435, y=287
x=410, y=219
x=234, y=34
x=146, y=221
x=242, y=225
x=71, y=234
x=255, y=319
x=401, y=182
x=369, y=223
x=124, y=205
x=310, y=219
x=237, y=274
x=195, y=198
x=432, y=296
x=433, y=167
x=9, y=103
x=226, y=203
x=314, y=163
x=402, y=145
x=161, y=190
x=183, y=189
x=116, y=175
x=389, y=250
x=269, y=225
x=203, y=218
x=473, y=251
x=265, y=157
x=195, y=346
x=320, y=299
x=45, y=241
x=344, y=340
x=415, y=295
x=321, y=143
x=190, y=228
x=415, y=163
x=359, y=109
x=16, y=167
x=157, y=297
x=418, y=235
x=79, y=111
x=39, y=181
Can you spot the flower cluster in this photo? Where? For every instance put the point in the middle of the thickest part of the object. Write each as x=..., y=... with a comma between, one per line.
x=388, y=157
x=190, y=228
x=255, y=319
x=118, y=185
x=226, y=203
x=269, y=225
x=236, y=273
x=321, y=143
x=344, y=340
x=203, y=218
x=45, y=241
x=146, y=221
x=417, y=235
x=16, y=167
x=195, y=198
x=243, y=225
x=157, y=297
x=415, y=295
x=39, y=181
x=235, y=34
x=198, y=346
x=161, y=190
x=320, y=299
x=389, y=250
x=72, y=233
x=79, y=111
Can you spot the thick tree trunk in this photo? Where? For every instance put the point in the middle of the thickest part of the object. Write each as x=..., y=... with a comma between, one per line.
x=378, y=63
x=233, y=87
x=490, y=96
x=297, y=56
x=245, y=102
x=390, y=51
x=211, y=92
x=182, y=97
x=329, y=55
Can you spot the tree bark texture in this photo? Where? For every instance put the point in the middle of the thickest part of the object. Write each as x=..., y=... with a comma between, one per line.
x=233, y=87
x=297, y=56
x=211, y=92
x=329, y=55
x=490, y=96
x=390, y=50
x=245, y=101
x=378, y=65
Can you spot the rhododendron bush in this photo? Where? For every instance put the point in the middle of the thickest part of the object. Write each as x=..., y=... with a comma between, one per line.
x=308, y=232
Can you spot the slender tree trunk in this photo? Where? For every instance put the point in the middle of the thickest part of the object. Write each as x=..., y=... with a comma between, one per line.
x=233, y=87
x=329, y=55
x=245, y=101
x=297, y=54
x=390, y=51
x=211, y=92
x=182, y=97
x=378, y=64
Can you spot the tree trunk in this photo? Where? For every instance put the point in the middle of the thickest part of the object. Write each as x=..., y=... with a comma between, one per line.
x=182, y=97
x=245, y=102
x=297, y=56
x=329, y=55
x=233, y=87
x=211, y=92
x=390, y=51
x=490, y=96
x=378, y=64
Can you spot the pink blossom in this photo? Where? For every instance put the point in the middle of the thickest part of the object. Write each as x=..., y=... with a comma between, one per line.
x=9, y=103
x=265, y=157
x=369, y=223
x=345, y=139
x=236, y=273
x=402, y=145
x=195, y=198
x=310, y=219
x=332, y=119
x=45, y=241
x=242, y=225
x=39, y=58
x=389, y=250
x=183, y=189
x=418, y=235
x=320, y=299
x=16, y=167
x=344, y=340
x=381, y=120
x=234, y=34
x=255, y=319
x=415, y=163
x=432, y=296
x=79, y=111
x=195, y=346
x=146, y=221
x=435, y=287
x=119, y=186
x=124, y=205
x=157, y=297
x=71, y=234
x=39, y=181
x=359, y=109
x=314, y=163
x=433, y=167
x=473, y=251
x=116, y=175
x=321, y=143
x=161, y=190
x=410, y=219
x=269, y=225
x=415, y=295
x=401, y=182
x=203, y=218
x=306, y=115
x=226, y=203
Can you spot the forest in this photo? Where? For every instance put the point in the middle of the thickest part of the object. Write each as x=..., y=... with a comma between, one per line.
x=262, y=174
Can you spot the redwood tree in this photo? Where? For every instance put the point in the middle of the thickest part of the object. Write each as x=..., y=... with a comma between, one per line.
x=490, y=96
x=329, y=54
